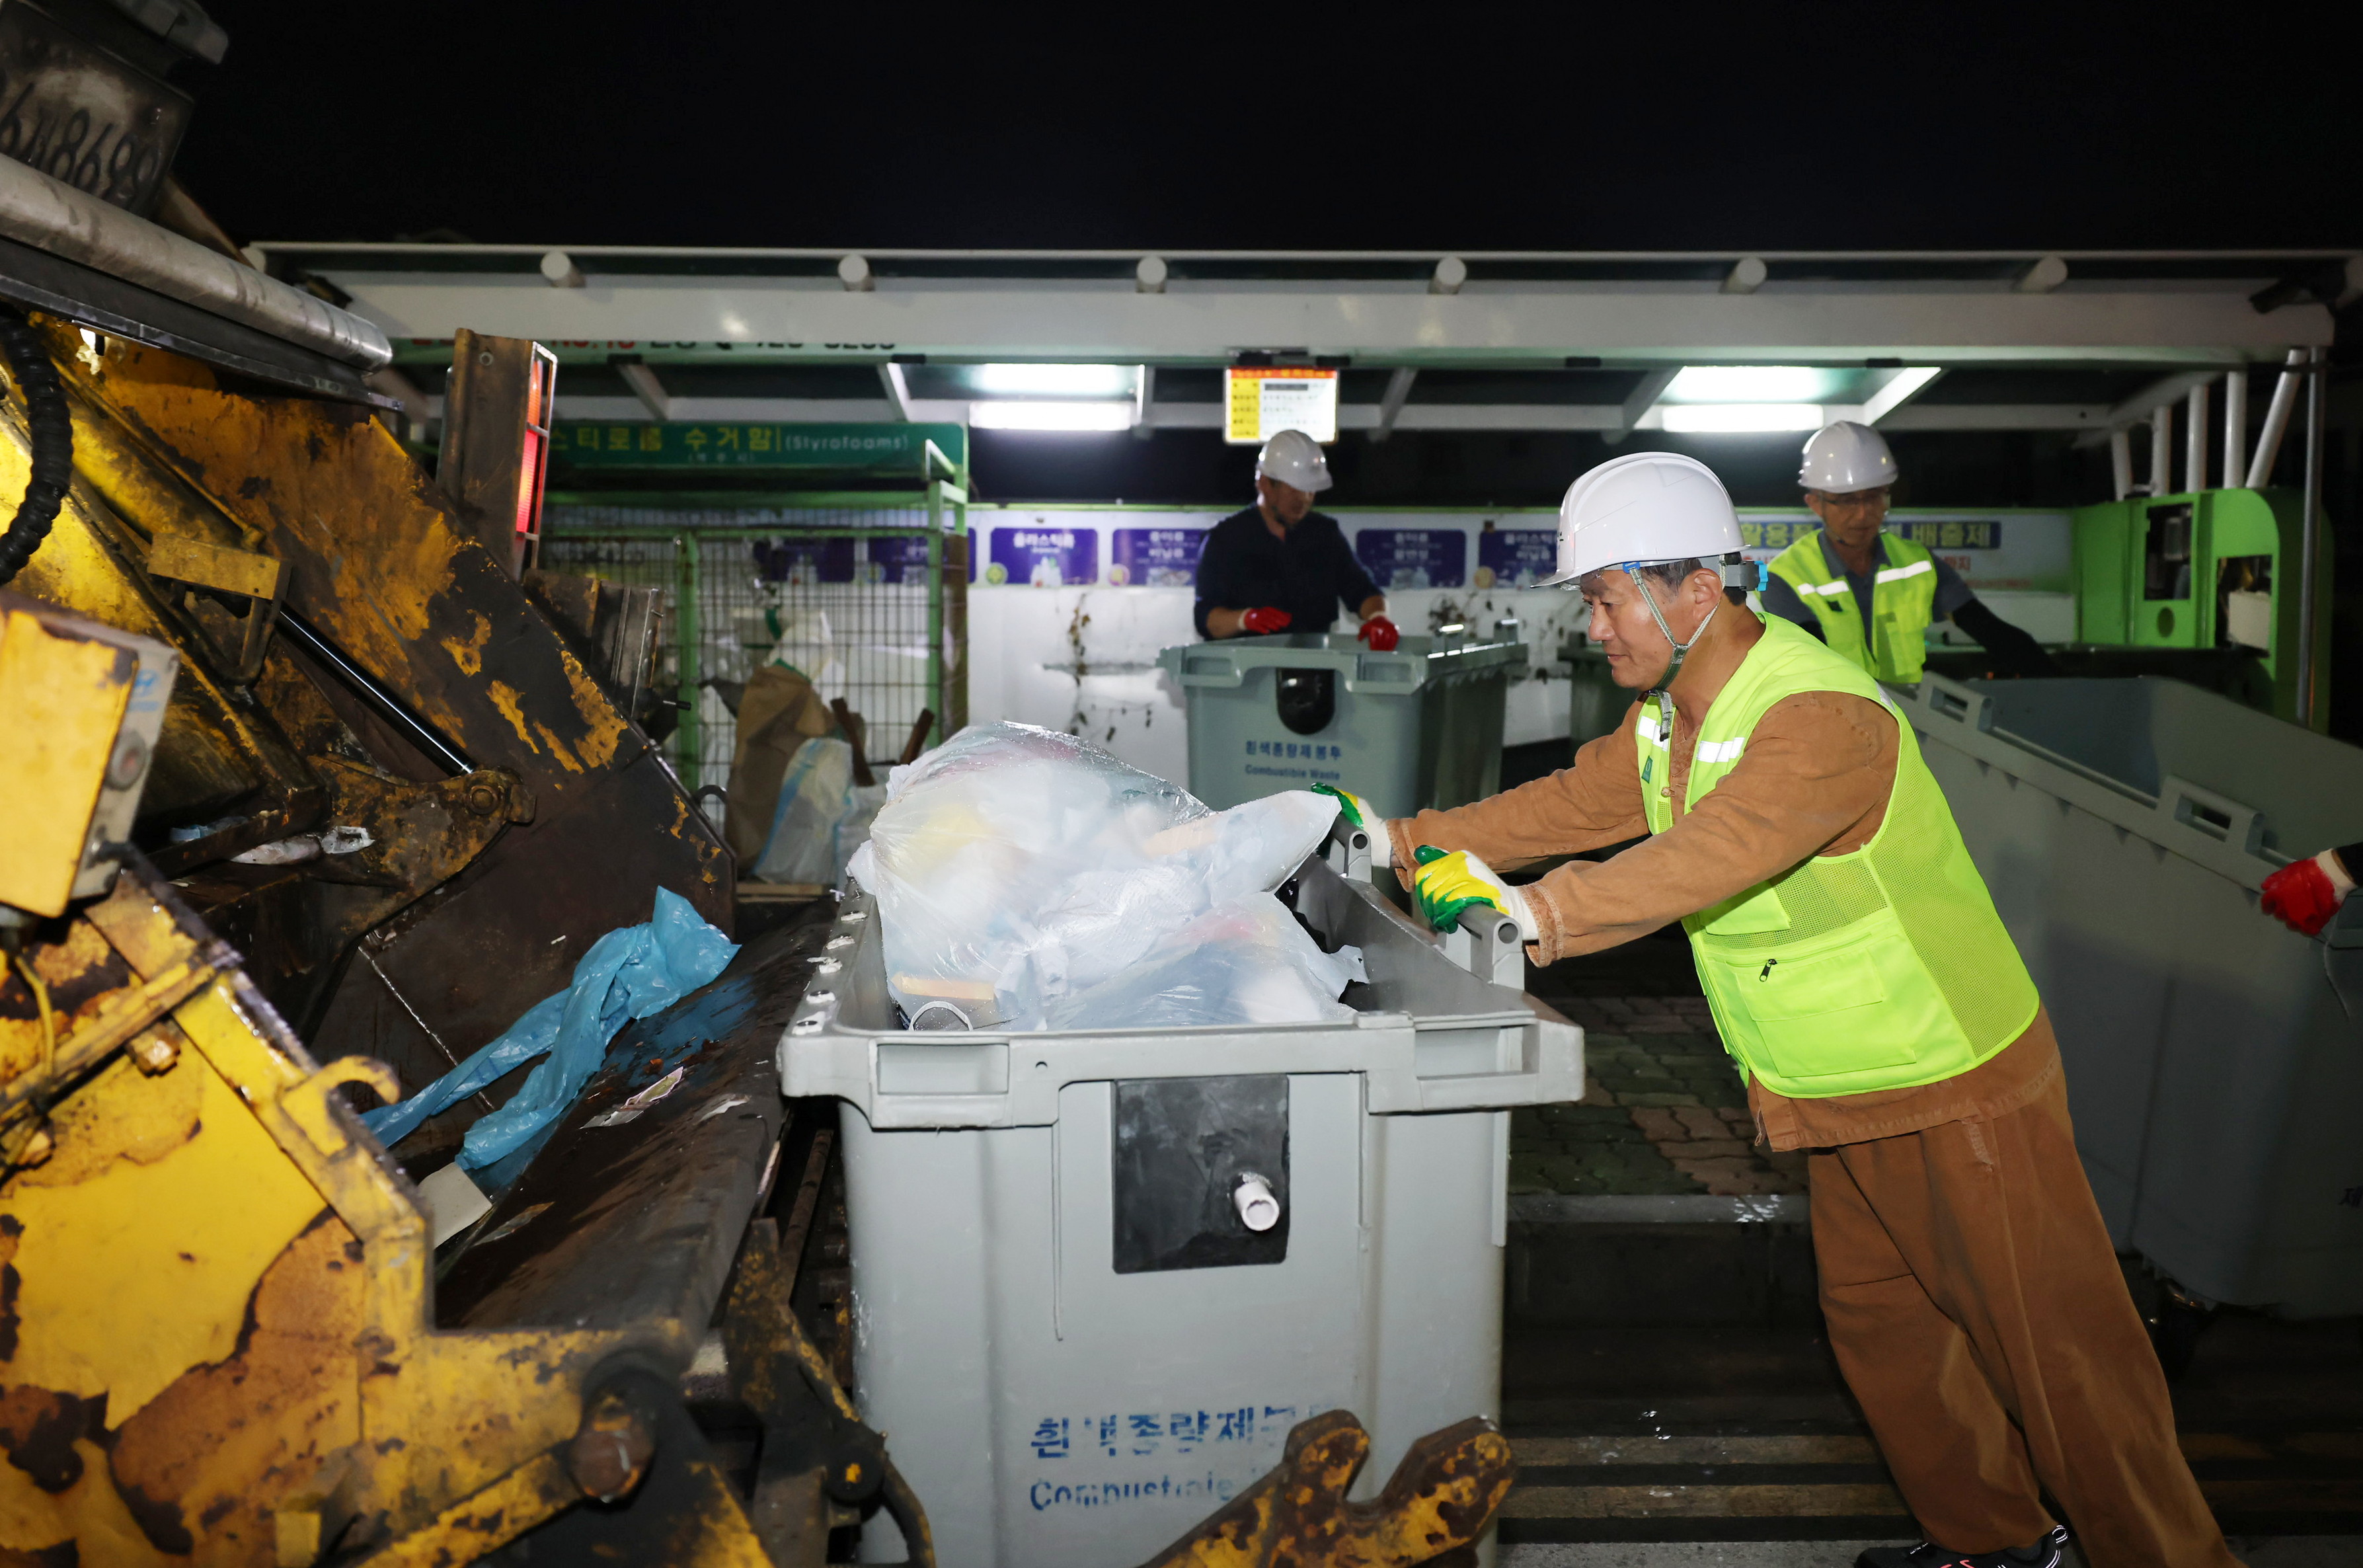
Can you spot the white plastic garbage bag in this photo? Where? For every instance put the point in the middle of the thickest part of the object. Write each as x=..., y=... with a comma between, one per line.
x=1016, y=866
x=1247, y=961
x=821, y=818
x=801, y=641
x=861, y=806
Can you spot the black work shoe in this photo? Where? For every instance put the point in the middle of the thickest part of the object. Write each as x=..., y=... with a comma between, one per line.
x=2044, y=1554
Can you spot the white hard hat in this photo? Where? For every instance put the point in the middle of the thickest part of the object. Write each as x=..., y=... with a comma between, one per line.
x=1644, y=507
x=1294, y=458
x=1846, y=457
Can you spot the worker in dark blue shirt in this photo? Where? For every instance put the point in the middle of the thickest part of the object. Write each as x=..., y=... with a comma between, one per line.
x=1279, y=565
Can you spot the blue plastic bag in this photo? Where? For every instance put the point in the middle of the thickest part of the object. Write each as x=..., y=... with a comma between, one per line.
x=629, y=973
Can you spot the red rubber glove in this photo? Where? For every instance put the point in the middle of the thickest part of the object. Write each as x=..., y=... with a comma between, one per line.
x=2301, y=896
x=1265, y=618
x=1380, y=634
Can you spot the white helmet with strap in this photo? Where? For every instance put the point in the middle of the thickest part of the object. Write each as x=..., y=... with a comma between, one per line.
x=1294, y=458
x=1846, y=457
x=1643, y=509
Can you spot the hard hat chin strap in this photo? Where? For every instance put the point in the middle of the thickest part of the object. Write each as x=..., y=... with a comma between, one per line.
x=1681, y=650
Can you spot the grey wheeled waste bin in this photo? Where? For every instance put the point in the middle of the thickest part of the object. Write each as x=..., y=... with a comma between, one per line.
x=1073, y=1341
x=2214, y=1072
x=1418, y=726
x=1596, y=704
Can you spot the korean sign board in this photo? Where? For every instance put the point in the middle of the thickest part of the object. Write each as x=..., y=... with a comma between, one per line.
x=1155, y=558
x=618, y=443
x=1044, y=558
x=2006, y=552
x=1515, y=558
x=1412, y=558
x=1137, y=547
x=1260, y=401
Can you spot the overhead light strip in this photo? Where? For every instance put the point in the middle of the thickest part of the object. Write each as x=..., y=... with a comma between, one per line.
x=1041, y=413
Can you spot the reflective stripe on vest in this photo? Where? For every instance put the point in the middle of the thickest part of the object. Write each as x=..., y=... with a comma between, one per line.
x=1903, y=603
x=1884, y=968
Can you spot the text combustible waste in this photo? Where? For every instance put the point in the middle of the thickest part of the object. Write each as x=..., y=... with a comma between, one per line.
x=1247, y=1435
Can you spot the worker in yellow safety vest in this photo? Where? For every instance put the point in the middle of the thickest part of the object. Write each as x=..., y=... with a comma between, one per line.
x=1872, y=595
x=1880, y=1015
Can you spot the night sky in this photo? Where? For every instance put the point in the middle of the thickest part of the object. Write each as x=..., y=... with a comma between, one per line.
x=1435, y=128
x=1171, y=126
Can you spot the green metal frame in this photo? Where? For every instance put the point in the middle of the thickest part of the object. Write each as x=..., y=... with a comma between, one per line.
x=689, y=734
x=944, y=499
x=2113, y=611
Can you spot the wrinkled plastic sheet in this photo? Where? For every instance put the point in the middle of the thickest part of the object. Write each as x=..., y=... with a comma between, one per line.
x=1243, y=962
x=821, y=818
x=630, y=972
x=1027, y=880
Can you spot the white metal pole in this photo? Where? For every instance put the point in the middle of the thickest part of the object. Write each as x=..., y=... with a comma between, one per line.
x=2194, y=442
x=2277, y=418
x=2236, y=426
x=2121, y=462
x=2309, y=536
x=2161, y=450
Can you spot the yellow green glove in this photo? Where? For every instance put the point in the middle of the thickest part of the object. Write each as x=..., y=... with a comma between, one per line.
x=1357, y=813
x=1449, y=882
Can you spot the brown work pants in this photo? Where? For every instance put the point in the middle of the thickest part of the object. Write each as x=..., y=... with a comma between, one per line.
x=1978, y=1312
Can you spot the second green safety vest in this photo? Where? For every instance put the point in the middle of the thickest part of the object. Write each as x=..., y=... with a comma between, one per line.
x=1902, y=602
x=1884, y=968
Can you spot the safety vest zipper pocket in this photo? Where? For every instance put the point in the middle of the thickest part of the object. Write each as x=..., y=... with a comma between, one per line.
x=1818, y=1009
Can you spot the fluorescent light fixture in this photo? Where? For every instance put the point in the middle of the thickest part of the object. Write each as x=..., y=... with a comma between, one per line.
x=1732, y=418
x=1054, y=381
x=1901, y=388
x=1043, y=415
x=1746, y=383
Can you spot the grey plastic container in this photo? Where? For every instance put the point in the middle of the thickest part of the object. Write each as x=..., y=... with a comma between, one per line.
x=2214, y=1072
x=1596, y=704
x=1414, y=728
x=995, y=1339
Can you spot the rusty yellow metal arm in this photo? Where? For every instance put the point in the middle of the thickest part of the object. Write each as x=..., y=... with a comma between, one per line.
x=216, y=1261
x=123, y=1015
x=536, y=1490
x=1439, y=1500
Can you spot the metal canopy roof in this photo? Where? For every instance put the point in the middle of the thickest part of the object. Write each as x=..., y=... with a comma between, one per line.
x=2084, y=340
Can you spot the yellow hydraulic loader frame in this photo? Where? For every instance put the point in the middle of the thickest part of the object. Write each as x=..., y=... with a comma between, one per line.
x=215, y=1315
x=219, y=1342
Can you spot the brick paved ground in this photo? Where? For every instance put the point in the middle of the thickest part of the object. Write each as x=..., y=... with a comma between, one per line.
x=1663, y=1110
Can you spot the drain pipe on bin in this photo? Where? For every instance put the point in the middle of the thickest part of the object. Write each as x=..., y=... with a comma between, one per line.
x=1252, y=1197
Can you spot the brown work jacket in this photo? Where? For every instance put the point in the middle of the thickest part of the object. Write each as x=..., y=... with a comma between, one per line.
x=1814, y=781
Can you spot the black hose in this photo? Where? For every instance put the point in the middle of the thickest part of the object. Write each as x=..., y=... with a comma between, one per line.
x=51, y=427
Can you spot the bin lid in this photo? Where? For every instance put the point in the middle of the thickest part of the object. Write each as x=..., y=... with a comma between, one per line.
x=1413, y=662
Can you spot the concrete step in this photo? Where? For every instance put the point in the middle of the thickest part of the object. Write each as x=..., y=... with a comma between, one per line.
x=1662, y=1484
x=2256, y=1552
x=1615, y=1260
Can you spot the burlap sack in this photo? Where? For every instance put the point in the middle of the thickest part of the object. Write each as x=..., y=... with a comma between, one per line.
x=778, y=712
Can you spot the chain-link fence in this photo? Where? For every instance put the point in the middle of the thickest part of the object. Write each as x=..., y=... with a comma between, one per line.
x=869, y=601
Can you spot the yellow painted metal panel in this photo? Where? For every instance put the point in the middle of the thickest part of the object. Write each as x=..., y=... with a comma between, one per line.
x=216, y=566
x=61, y=701
x=134, y=1207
